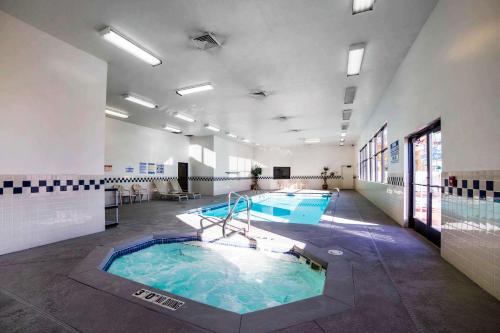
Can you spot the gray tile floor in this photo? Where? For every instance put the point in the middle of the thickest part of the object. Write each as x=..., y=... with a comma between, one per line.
x=401, y=282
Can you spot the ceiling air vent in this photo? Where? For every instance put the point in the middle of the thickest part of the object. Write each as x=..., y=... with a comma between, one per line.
x=281, y=118
x=259, y=93
x=344, y=127
x=206, y=41
x=350, y=94
x=295, y=130
x=346, y=114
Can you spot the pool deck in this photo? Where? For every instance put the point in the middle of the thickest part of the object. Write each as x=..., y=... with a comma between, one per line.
x=401, y=284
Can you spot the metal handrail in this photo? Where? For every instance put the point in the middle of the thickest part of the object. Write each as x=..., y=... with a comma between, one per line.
x=231, y=210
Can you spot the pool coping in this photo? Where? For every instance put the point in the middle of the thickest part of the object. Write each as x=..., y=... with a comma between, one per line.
x=338, y=292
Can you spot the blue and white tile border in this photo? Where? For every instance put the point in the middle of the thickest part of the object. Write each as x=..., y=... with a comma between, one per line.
x=39, y=184
x=482, y=185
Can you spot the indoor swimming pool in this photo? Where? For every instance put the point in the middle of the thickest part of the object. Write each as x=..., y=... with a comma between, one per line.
x=237, y=279
x=304, y=208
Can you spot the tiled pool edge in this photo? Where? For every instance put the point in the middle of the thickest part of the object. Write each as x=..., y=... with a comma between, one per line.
x=337, y=295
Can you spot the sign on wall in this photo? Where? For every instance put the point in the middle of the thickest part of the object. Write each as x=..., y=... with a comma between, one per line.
x=160, y=169
x=143, y=167
x=395, y=152
x=151, y=168
x=108, y=168
x=129, y=169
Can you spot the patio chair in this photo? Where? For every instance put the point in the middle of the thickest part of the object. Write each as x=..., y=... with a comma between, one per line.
x=124, y=193
x=161, y=188
x=178, y=189
x=140, y=192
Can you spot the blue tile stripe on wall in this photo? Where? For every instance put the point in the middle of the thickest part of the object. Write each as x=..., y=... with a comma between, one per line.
x=49, y=186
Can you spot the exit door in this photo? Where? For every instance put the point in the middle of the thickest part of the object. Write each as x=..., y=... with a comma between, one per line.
x=425, y=182
x=182, y=175
x=347, y=177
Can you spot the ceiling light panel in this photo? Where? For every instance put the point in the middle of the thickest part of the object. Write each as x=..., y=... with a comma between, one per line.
x=360, y=6
x=116, y=113
x=194, y=89
x=313, y=140
x=355, y=58
x=140, y=101
x=126, y=44
x=212, y=128
x=172, y=129
x=346, y=114
x=246, y=141
x=231, y=135
x=184, y=117
x=350, y=94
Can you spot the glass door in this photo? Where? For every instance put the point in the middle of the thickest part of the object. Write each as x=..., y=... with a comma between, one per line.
x=425, y=180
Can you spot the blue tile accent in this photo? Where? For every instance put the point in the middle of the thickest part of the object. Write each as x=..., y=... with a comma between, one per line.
x=470, y=193
x=459, y=192
x=81, y=182
x=57, y=182
x=464, y=183
x=18, y=190
x=26, y=183
x=1, y=191
x=86, y=187
x=50, y=188
x=69, y=182
x=496, y=196
x=489, y=185
x=76, y=187
x=63, y=188
x=482, y=194
x=92, y=182
x=34, y=189
x=475, y=184
x=446, y=182
x=450, y=190
x=101, y=182
x=42, y=183
x=97, y=187
x=8, y=184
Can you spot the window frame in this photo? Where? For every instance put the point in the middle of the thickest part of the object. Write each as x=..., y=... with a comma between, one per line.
x=373, y=159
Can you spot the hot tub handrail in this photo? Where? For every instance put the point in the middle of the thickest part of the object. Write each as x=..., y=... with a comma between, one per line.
x=231, y=210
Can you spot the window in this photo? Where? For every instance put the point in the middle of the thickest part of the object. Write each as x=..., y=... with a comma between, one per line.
x=374, y=159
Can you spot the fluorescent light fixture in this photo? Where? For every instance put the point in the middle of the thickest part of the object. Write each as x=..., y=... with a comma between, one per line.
x=172, y=129
x=212, y=128
x=140, y=101
x=257, y=144
x=126, y=44
x=183, y=117
x=359, y=6
x=308, y=141
x=342, y=139
x=355, y=58
x=194, y=89
x=350, y=94
x=116, y=113
x=343, y=134
x=341, y=143
x=245, y=140
x=231, y=135
x=346, y=114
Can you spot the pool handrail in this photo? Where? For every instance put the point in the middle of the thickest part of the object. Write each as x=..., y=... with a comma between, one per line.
x=231, y=210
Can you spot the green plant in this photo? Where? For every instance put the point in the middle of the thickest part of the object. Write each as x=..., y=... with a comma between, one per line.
x=325, y=175
x=256, y=172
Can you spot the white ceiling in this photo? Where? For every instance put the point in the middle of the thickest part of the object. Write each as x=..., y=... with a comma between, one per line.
x=297, y=49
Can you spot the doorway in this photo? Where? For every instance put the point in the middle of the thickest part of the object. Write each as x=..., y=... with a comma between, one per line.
x=426, y=164
x=182, y=175
x=347, y=177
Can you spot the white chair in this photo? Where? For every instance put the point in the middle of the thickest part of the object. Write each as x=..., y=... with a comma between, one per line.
x=124, y=193
x=140, y=192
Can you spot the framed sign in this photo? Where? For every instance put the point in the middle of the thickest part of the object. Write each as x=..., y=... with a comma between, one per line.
x=160, y=169
x=395, y=152
x=129, y=169
x=151, y=168
x=143, y=166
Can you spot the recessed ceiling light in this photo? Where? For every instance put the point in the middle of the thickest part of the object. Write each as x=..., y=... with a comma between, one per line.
x=342, y=139
x=194, y=89
x=231, y=135
x=126, y=44
x=309, y=141
x=355, y=58
x=245, y=140
x=172, y=129
x=343, y=134
x=341, y=143
x=359, y=6
x=140, y=101
x=212, y=128
x=116, y=113
x=183, y=117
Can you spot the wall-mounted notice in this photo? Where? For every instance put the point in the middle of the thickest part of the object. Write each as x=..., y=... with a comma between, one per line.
x=143, y=167
x=108, y=168
x=151, y=168
x=395, y=152
x=160, y=169
x=129, y=169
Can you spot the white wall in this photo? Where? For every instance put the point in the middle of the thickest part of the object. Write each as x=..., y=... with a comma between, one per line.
x=304, y=161
x=203, y=162
x=128, y=144
x=451, y=72
x=52, y=98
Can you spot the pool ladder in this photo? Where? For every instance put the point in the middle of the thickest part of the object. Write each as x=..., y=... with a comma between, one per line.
x=230, y=209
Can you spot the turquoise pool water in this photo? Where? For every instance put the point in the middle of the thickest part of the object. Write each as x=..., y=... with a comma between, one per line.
x=237, y=279
x=279, y=207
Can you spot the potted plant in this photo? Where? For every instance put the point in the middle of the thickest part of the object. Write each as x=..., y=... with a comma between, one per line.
x=325, y=175
x=256, y=172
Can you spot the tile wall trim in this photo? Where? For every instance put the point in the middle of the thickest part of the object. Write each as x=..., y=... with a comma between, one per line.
x=12, y=185
x=143, y=179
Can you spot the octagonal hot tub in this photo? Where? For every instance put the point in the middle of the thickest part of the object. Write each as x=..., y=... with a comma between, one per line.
x=233, y=278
